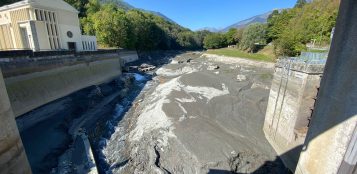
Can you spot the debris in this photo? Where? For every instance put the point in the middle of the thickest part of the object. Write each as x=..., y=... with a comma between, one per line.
x=188, y=60
x=217, y=72
x=212, y=67
x=241, y=78
x=146, y=67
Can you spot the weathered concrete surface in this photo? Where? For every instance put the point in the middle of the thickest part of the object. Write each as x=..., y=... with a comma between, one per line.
x=29, y=91
x=335, y=116
x=12, y=154
x=292, y=97
x=192, y=120
x=128, y=56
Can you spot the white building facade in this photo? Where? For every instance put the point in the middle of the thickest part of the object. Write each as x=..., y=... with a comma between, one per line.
x=42, y=25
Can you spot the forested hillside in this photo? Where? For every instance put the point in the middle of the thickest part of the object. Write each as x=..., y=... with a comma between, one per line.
x=118, y=25
x=288, y=30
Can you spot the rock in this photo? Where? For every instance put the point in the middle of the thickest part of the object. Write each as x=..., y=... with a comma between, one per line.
x=241, y=78
x=212, y=67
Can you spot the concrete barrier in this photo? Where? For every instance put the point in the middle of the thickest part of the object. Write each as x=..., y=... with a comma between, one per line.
x=128, y=56
x=29, y=91
x=330, y=145
x=12, y=154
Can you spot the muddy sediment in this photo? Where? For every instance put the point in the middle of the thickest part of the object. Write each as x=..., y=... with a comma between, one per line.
x=192, y=118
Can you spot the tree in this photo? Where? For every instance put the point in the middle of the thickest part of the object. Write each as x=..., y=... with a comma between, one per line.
x=252, y=35
x=230, y=36
x=214, y=41
x=300, y=3
x=239, y=35
x=113, y=28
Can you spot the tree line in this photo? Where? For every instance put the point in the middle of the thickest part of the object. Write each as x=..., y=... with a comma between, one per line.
x=117, y=26
x=288, y=30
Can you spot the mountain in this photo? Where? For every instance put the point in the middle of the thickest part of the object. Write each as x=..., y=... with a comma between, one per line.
x=255, y=19
x=126, y=6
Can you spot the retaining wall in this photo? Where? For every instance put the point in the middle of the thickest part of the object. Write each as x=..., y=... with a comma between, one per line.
x=291, y=102
x=12, y=154
x=31, y=90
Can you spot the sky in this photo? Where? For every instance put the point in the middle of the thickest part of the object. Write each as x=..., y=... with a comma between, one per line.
x=197, y=14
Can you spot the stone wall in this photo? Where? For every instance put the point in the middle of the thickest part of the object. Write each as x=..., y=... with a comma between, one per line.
x=291, y=101
x=31, y=90
x=12, y=154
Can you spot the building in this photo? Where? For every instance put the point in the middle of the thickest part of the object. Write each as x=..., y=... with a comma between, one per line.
x=42, y=25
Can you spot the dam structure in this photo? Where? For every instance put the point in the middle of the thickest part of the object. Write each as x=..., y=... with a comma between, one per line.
x=311, y=116
x=33, y=81
x=291, y=102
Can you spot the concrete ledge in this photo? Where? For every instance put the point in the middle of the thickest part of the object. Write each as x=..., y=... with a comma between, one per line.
x=29, y=91
x=225, y=59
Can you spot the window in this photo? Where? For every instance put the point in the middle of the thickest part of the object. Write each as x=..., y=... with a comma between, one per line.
x=52, y=29
x=55, y=43
x=45, y=14
x=50, y=16
x=51, y=46
x=37, y=15
x=53, y=16
x=48, y=29
x=56, y=32
x=41, y=15
x=83, y=45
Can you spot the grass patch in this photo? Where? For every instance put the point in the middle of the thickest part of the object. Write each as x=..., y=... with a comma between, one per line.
x=232, y=52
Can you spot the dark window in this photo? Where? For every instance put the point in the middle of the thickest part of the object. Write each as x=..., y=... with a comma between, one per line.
x=48, y=29
x=41, y=15
x=52, y=30
x=45, y=14
x=50, y=16
x=50, y=43
x=37, y=16
x=59, y=46
x=55, y=43
x=54, y=18
x=56, y=30
x=69, y=34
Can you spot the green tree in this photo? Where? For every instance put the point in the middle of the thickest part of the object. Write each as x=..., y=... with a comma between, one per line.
x=113, y=28
x=252, y=35
x=214, y=41
x=231, y=36
x=300, y=3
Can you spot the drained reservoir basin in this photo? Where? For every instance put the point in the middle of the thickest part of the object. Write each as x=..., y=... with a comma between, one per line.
x=193, y=115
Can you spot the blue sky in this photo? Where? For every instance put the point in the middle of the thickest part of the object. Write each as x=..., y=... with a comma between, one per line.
x=196, y=14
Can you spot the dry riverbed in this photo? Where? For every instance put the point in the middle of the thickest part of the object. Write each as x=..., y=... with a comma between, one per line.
x=197, y=115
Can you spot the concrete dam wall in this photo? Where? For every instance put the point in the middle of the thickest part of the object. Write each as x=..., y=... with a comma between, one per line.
x=31, y=90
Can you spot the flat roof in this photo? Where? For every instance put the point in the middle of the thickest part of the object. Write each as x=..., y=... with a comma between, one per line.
x=54, y=4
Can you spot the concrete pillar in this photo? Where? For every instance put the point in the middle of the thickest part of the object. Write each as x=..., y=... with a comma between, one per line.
x=291, y=99
x=330, y=145
x=13, y=158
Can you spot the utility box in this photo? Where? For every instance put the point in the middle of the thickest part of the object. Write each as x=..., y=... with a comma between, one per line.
x=291, y=101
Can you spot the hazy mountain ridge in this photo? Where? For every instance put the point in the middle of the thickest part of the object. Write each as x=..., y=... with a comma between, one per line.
x=126, y=6
x=255, y=19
